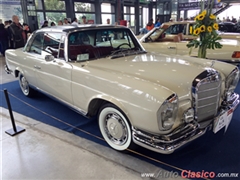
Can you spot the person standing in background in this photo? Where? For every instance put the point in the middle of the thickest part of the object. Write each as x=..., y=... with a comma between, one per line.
x=60, y=23
x=10, y=44
x=6, y=24
x=128, y=24
x=18, y=35
x=45, y=24
x=157, y=23
x=65, y=22
x=53, y=24
x=84, y=20
x=3, y=39
x=74, y=21
x=27, y=30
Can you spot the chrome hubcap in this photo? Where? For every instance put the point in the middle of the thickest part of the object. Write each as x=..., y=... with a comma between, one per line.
x=116, y=129
x=24, y=85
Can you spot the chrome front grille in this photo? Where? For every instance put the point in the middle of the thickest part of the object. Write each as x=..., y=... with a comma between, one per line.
x=206, y=94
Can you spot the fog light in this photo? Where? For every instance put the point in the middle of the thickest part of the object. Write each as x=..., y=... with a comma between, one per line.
x=188, y=115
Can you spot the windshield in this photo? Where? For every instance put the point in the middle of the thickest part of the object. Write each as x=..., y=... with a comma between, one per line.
x=94, y=44
x=156, y=35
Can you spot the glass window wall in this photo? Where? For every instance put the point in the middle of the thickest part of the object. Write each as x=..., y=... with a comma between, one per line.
x=84, y=7
x=54, y=5
x=91, y=18
x=55, y=17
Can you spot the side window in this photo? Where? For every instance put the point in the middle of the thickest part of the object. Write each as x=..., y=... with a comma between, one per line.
x=175, y=29
x=46, y=43
x=51, y=43
x=81, y=38
x=114, y=38
x=37, y=44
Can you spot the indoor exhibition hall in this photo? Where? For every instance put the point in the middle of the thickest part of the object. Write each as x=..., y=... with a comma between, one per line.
x=119, y=89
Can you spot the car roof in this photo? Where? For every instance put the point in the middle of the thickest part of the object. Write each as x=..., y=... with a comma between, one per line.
x=68, y=28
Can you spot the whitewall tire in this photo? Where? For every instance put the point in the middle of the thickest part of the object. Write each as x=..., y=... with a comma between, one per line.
x=115, y=127
x=24, y=85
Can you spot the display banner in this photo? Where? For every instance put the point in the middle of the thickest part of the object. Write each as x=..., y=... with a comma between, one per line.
x=8, y=8
x=196, y=5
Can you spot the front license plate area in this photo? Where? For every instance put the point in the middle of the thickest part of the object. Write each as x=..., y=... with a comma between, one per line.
x=223, y=121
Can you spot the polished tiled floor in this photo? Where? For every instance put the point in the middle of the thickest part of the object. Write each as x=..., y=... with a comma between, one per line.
x=45, y=152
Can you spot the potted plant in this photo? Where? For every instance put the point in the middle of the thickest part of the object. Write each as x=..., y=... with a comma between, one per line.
x=206, y=29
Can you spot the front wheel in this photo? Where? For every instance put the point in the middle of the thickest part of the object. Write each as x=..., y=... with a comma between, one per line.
x=24, y=85
x=115, y=128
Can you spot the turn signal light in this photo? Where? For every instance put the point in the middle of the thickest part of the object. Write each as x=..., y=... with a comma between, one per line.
x=236, y=54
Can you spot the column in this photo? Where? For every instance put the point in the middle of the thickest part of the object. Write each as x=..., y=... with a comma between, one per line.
x=119, y=10
x=98, y=12
x=150, y=11
x=137, y=17
x=29, y=14
x=70, y=12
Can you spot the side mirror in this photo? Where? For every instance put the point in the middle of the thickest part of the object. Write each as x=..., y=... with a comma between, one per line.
x=49, y=57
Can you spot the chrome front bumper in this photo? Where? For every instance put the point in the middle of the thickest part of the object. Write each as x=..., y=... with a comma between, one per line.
x=167, y=144
x=7, y=69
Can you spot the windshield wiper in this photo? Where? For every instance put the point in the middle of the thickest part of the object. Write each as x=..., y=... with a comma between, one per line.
x=119, y=53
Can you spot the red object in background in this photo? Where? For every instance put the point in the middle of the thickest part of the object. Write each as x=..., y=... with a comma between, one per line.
x=27, y=28
x=90, y=21
x=123, y=22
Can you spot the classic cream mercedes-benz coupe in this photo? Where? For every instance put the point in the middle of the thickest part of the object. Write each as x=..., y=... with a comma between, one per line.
x=159, y=102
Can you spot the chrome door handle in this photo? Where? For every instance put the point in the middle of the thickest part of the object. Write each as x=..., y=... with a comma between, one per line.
x=170, y=47
x=37, y=67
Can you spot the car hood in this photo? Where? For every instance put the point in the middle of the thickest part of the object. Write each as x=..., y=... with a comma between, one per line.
x=174, y=73
x=230, y=35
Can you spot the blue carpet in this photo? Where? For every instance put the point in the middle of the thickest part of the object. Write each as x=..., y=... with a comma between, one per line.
x=218, y=153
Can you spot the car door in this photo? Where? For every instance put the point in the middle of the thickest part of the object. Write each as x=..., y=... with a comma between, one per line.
x=52, y=76
x=161, y=47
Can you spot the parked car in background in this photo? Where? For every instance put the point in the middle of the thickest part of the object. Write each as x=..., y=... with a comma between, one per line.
x=156, y=41
x=173, y=28
x=229, y=27
x=138, y=97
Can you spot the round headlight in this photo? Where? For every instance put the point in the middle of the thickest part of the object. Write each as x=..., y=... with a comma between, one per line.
x=167, y=113
x=231, y=82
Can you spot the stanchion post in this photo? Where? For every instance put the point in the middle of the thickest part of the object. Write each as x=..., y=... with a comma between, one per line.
x=16, y=129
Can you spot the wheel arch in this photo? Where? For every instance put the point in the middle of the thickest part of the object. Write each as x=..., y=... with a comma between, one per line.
x=98, y=101
x=17, y=72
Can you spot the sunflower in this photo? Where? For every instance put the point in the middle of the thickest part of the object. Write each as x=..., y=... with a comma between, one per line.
x=197, y=31
x=202, y=28
x=212, y=16
x=204, y=12
x=215, y=26
x=201, y=17
x=209, y=28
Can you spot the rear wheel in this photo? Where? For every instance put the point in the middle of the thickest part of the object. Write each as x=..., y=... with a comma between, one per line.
x=24, y=85
x=115, y=128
